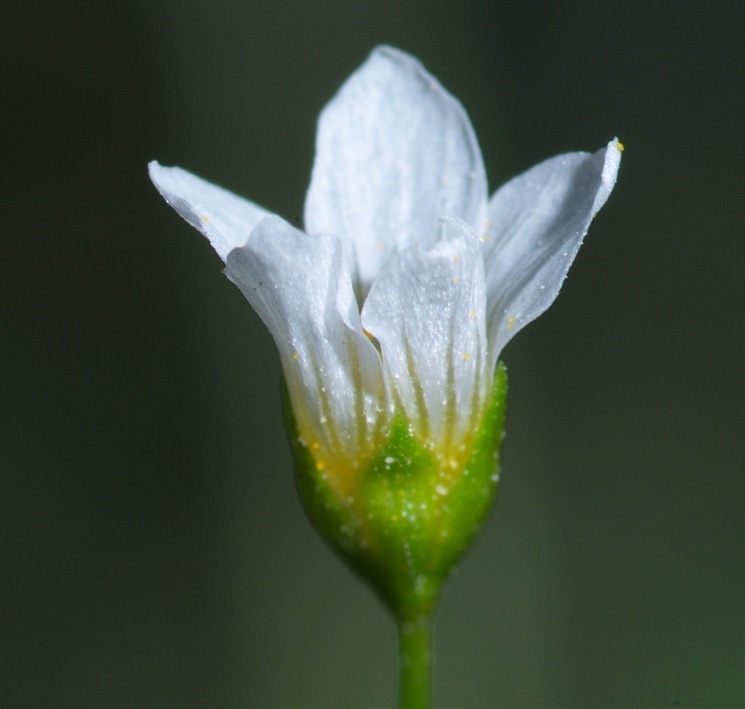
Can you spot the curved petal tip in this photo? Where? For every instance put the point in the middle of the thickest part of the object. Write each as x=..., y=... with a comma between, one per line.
x=609, y=173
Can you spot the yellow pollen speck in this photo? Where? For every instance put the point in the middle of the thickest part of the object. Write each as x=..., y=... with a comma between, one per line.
x=315, y=445
x=205, y=219
x=296, y=356
x=319, y=465
x=510, y=322
x=467, y=356
x=394, y=518
x=455, y=280
x=378, y=244
x=619, y=145
x=484, y=237
x=456, y=259
x=472, y=314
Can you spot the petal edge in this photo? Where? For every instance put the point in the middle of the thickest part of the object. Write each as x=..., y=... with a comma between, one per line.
x=226, y=219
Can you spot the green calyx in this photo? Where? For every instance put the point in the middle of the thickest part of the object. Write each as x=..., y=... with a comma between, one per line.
x=412, y=514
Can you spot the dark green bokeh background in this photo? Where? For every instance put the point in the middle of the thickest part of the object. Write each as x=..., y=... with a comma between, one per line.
x=152, y=550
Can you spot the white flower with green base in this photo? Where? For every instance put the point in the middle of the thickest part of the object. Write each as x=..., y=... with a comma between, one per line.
x=389, y=313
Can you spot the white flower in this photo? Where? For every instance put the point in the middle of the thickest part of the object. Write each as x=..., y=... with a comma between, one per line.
x=409, y=280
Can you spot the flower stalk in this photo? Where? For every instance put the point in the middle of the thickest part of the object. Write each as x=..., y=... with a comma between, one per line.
x=414, y=662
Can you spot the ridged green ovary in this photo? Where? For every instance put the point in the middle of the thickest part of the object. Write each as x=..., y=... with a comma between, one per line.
x=412, y=515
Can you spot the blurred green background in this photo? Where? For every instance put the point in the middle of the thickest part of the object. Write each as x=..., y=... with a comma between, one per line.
x=152, y=550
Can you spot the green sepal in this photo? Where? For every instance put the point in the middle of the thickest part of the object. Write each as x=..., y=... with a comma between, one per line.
x=411, y=516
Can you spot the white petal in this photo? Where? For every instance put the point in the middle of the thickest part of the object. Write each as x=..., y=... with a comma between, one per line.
x=223, y=217
x=301, y=288
x=427, y=311
x=536, y=225
x=394, y=152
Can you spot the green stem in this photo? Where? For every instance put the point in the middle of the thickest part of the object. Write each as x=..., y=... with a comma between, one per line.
x=414, y=662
